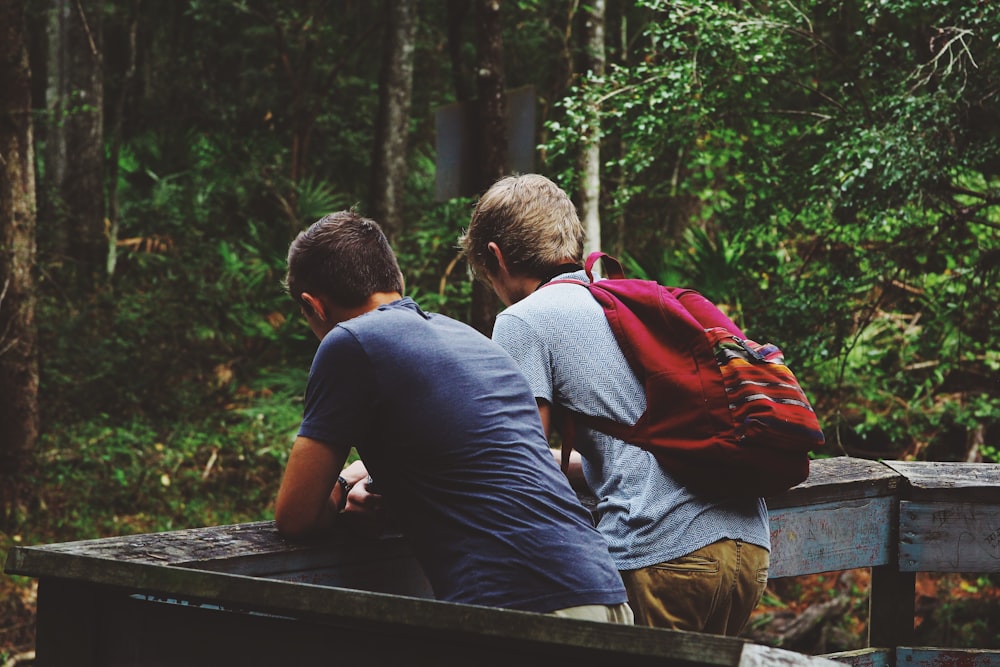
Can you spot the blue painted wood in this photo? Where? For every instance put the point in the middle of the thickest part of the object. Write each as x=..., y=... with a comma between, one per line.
x=831, y=536
x=949, y=537
x=935, y=657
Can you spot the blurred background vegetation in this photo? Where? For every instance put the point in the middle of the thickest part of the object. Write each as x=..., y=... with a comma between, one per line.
x=828, y=170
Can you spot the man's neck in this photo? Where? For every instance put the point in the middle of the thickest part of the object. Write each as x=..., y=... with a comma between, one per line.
x=375, y=301
x=566, y=267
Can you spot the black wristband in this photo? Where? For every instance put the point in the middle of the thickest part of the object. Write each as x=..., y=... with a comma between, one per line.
x=346, y=488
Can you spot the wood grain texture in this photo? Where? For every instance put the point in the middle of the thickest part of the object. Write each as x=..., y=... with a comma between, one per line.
x=949, y=537
x=839, y=478
x=831, y=536
x=951, y=482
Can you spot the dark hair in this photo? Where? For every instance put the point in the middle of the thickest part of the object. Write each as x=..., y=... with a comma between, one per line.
x=344, y=257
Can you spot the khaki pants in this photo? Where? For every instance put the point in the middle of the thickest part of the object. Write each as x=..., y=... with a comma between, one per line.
x=712, y=590
x=612, y=613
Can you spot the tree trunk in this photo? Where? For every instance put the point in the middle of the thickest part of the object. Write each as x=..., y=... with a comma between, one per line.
x=492, y=135
x=73, y=208
x=617, y=22
x=590, y=155
x=116, y=140
x=392, y=127
x=457, y=10
x=18, y=352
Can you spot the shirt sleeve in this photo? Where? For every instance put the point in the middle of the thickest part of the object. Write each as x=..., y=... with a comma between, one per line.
x=529, y=350
x=339, y=400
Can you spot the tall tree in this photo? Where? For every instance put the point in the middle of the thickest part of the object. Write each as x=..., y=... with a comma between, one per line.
x=590, y=154
x=116, y=138
x=73, y=208
x=18, y=354
x=492, y=130
x=617, y=27
x=392, y=126
x=455, y=14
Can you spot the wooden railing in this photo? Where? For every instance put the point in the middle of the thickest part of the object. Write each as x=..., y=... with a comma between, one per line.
x=242, y=595
x=898, y=518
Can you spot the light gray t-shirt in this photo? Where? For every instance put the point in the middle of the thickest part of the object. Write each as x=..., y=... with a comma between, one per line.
x=561, y=339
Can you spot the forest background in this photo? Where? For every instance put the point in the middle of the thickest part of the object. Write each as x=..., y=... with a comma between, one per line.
x=827, y=170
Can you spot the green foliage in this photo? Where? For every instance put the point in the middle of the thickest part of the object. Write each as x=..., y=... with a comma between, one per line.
x=436, y=275
x=314, y=199
x=258, y=122
x=966, y=618
x=829, y=172
x=107, y=476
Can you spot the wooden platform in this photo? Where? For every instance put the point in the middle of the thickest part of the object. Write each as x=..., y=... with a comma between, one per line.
x=243, y=595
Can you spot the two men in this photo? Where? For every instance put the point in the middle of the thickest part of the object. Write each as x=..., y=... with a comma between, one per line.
x=688, y=562
x=446, y=425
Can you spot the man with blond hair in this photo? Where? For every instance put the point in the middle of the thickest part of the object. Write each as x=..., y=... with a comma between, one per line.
x=689, y=562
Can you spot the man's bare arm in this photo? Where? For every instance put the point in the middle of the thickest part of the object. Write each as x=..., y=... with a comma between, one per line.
x=309, y=496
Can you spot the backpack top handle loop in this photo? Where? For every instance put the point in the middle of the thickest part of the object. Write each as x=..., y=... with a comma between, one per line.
x=612, y=267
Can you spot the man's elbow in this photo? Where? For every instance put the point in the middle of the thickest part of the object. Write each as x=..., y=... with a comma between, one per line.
x=294, y=526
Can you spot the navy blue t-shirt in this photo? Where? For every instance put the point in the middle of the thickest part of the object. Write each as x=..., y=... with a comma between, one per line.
x=448, y=428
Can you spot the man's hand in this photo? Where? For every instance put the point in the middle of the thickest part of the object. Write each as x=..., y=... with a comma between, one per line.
x=361, y=500
x=355, y=473
x=363, y=510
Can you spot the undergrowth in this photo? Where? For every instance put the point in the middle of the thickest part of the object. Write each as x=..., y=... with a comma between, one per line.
x=108, y=477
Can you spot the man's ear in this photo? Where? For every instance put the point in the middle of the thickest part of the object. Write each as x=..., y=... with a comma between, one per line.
x=496, y=252
x=315, y=305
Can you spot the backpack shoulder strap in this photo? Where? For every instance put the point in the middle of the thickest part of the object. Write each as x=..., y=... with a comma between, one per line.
x=703, y=310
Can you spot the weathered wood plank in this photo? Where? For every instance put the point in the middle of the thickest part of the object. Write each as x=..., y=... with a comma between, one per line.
x=837, y=478
x=931, y=657
x=245, y=589
x=866, y=657
x=832, y=536
x=383, y=565
x=236, y=604
x=194, y=545
x=951, y=482
x=755, y=655
x=174, y=634
x=129, y=630
x=949, y=537
x=252, y=640
x=254, y=549
x=399, y=576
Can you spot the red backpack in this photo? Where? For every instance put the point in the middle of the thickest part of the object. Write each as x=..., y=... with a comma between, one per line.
x=723, y=413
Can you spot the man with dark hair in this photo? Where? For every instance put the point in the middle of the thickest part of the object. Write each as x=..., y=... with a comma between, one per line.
x=445, y=423
x=688, y=562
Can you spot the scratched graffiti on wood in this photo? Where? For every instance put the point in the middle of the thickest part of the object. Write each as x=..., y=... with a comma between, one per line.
x=830, y=537
x=949, y=537
x=926, y=657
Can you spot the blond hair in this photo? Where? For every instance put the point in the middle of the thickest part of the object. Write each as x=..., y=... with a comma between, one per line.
x=531, y=219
